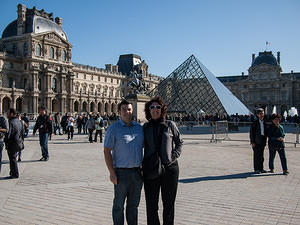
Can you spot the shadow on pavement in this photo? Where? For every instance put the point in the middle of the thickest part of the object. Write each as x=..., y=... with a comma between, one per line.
x=226, y=177
x=69, y=142
x=7, y=178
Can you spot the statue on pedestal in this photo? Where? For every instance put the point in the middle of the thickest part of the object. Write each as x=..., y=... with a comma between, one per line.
x=137, y=83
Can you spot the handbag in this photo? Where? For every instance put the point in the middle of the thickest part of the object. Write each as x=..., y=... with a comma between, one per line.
x=152, y=167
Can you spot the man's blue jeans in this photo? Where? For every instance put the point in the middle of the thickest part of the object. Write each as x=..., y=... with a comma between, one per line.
x=1, y=148
x=129, y=187
x=44, y=144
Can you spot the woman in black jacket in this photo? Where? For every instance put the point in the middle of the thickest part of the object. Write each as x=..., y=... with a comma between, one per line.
x=160, y=167
x=276, y=144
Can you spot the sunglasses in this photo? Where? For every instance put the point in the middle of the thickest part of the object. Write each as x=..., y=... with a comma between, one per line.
x=155, y=107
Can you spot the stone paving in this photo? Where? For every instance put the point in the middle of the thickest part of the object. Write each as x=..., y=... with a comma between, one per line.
x=216, y=185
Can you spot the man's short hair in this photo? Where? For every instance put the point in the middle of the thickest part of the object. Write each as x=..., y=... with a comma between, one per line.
x=43, y=108
x=123, y=102
x=12, y=111
x=259, y=110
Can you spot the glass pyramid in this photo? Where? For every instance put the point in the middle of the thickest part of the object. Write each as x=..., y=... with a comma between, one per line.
x=193, y=89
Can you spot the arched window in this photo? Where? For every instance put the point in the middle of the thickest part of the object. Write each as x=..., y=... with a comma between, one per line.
x=54, y=85
x=63, y=55
x=51, y=53
x=40, y=83
x=38, y=50
x=25, y=49
x=14, y=49
x=25, y=83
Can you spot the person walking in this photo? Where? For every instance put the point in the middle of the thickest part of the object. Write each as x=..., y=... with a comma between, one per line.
x=162, y=147
x=3, y=131
x=123, y=152
x=276, y=144
x=84, y=121
x=14, y=141
x=258, y=140
x=90, y=126
x=24, y=126
x=79, y=124
x=43, y=125
x=57, y=121
x=64, y=123
x=70, y=127
x=99, y=125
x=26, y=120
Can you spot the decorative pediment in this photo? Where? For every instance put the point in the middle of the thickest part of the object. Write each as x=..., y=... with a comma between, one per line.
x=53, y=37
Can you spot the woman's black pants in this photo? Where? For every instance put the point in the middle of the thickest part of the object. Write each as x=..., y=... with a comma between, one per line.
x=167, y=183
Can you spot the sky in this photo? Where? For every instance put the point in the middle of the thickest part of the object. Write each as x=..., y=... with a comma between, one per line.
x=222, y=34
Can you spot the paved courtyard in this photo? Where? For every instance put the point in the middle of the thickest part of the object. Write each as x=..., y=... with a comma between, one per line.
x=216, y=185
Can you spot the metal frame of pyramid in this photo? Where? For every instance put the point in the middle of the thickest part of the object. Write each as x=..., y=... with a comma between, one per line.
x=192, y=89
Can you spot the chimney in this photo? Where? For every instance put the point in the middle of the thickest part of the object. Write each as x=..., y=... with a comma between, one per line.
x=278, y=58
x=253, y=58
x=109, y=67
x=58, y=21
x=21, y=19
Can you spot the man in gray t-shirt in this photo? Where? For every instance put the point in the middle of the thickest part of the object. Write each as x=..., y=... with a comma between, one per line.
x=123, y=151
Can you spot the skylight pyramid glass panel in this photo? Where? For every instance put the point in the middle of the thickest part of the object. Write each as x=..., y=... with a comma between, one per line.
x=192, y=88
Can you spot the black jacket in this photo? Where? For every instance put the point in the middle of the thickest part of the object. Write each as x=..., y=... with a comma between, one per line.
x=44, y=124
x=170, y=142
x=255, y=133
x=15, y=135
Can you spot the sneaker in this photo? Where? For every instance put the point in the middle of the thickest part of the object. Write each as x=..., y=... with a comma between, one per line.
x=271, y=170
x=286, y=172
x=263, y=171
x=257, y=172
x=42, y=159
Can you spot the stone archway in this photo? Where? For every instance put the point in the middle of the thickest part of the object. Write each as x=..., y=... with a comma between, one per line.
x=100, y=107
x=283, y=108
x=114, y=107
x=84, y=107
x=5, y=104
x=92, y=107
x=107, y=108
x=55, y=106
x=76, y=106
x=19, y=105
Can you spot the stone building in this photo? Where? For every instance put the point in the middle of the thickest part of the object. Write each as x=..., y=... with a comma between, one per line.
x=266, y=85
x=36, y=69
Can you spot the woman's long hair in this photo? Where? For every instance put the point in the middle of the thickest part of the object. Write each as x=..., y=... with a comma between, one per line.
x=160, y=101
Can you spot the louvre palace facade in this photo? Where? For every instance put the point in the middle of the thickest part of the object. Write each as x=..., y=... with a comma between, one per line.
x=266, y=85
x=36, y=69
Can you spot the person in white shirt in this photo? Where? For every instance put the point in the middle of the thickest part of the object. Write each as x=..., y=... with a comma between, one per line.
x=70, y=127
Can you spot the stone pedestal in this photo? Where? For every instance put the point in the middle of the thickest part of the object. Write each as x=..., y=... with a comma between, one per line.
x=138, y=103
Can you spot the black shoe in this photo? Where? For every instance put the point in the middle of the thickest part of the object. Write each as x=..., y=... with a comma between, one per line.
x=271, y=171
x=286, y=172
x=13, y=177
x=257, y=172
x=44, y=159
x=263, y=171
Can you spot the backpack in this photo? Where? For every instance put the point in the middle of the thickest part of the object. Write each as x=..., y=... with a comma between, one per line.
x=101, y=124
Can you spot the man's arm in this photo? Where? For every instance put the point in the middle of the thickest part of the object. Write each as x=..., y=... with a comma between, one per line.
x=109, y=164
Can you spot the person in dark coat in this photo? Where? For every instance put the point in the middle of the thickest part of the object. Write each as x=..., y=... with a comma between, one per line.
x=162, y=147
x=258, y=140
x=14, y=141
x=276, y=144
x=44, y=125
x=3, y=131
